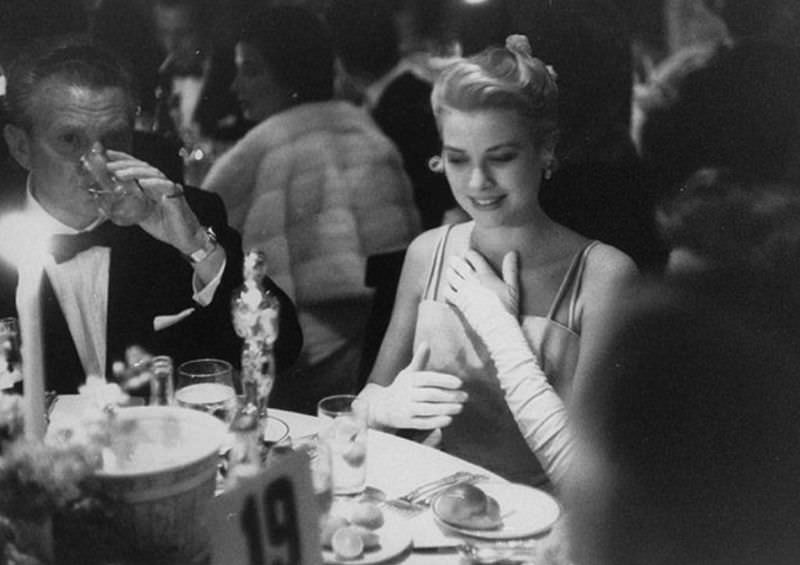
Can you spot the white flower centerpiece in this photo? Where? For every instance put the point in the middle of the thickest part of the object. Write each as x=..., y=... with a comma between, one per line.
x=40, y=479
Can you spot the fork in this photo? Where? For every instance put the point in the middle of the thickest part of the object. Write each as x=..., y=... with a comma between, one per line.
x=418, y=499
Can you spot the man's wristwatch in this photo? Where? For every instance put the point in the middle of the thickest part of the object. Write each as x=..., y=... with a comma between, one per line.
x=208, y=248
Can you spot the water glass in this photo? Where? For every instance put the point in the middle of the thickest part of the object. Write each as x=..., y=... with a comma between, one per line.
x=124, y=203
x=207, y=385
x=344, y=433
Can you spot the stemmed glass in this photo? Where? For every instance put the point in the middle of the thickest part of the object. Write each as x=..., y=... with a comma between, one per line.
x=207, y=385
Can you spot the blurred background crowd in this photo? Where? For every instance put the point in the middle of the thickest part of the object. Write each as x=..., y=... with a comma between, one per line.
x=648, y=89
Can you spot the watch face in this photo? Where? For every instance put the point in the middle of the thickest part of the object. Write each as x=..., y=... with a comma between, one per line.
x=198, y=255
x=207, y=249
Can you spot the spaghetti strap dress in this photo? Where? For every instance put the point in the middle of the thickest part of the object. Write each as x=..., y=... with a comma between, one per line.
x=485, y=432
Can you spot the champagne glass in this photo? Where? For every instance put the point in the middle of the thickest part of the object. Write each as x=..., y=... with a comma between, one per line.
x=207, y=385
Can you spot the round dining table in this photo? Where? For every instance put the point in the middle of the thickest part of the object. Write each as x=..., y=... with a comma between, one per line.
x=396, y=466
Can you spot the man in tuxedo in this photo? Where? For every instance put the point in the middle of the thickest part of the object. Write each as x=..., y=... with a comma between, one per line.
x=164, y=284
x=194, y=96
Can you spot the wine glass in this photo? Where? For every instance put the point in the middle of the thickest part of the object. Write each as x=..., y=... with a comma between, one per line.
x=207, y=385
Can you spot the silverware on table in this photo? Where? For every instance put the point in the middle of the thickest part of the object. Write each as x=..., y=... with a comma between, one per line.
x=418, y=499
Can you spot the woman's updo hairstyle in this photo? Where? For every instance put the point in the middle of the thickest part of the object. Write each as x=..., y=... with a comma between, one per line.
x=502, y=78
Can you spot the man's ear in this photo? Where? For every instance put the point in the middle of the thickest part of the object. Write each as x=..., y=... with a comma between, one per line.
x=18, y=143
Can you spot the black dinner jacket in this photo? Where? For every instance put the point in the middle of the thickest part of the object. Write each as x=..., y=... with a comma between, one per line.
x=148, y=278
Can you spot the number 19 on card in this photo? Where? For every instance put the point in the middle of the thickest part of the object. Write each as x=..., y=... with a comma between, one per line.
x=270, y=519
x=274, y=520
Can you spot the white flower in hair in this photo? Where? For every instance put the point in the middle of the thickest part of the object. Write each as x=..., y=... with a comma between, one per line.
x=518, y=43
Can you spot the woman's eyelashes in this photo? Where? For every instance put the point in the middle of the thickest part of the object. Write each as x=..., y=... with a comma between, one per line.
x=504, y=157
x=455, y=160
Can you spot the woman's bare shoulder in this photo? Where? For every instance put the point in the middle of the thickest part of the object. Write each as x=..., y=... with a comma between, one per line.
x=608, y=268
x=424, y=244
x=604, y=258
x=427, y=240
x=419, y=256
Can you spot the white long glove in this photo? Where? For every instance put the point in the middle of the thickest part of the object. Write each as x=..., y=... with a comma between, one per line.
x=418, y=399
x=490, y=305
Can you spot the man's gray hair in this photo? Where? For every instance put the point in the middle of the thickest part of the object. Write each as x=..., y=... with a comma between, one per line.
x=75, y=63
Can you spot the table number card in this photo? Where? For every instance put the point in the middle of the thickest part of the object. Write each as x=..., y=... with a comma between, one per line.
x=269, y=519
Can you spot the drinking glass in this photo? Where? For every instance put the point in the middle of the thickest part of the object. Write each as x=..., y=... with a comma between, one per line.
x=9, y=353
x=124, y=203
x=207, y=385
x=344, y=433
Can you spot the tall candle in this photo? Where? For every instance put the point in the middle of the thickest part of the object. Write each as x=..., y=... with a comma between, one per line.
x=29, y=307
x=22, y=245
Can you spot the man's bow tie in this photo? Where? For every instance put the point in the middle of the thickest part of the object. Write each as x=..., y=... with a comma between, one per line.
x=65, y=246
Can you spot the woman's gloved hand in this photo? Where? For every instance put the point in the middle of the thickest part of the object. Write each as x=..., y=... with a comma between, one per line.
x=490, y=306
x=417, y=399
x=475, y=289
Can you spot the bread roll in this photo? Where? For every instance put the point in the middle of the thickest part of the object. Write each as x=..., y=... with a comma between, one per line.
x=467, y=506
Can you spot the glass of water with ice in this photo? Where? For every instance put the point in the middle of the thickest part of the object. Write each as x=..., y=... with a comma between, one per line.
x=344, y=432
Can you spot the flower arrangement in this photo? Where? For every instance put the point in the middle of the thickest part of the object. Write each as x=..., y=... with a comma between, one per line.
x=40, y=479
x=36, y=479
x=11, y=419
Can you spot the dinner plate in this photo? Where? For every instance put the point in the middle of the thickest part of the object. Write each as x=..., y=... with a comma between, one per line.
x=526, y=511
x=394, y=540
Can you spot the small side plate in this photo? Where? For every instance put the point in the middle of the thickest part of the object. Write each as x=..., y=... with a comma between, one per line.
x=394, y=539
x=526, y=512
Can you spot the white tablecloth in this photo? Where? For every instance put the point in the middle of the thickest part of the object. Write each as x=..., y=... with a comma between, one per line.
x=394, y=465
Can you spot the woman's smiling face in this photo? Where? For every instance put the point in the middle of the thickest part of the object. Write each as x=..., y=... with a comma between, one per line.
x=493, y=165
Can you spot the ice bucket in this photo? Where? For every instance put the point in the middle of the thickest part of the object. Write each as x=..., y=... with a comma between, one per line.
x=162, y=476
